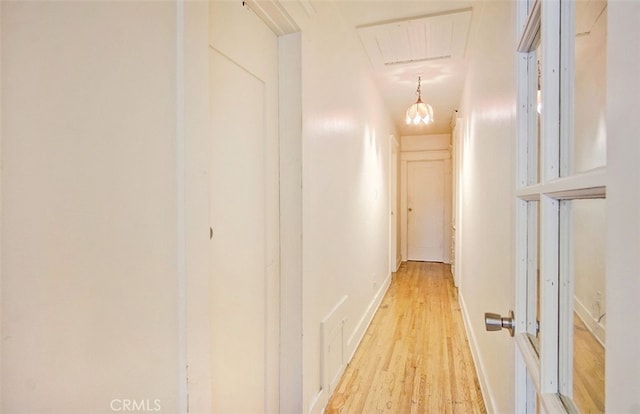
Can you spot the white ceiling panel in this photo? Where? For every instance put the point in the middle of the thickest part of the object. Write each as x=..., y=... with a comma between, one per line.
x=407, y=39
x=440, y=36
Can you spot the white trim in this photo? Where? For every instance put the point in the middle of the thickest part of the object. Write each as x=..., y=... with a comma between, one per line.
x=1, y=205
x=529, y=357
x=524, y=162
x=522, y=312
x=181, y=268
x=405, y=158
x=274, y=16
x=318, y=402
x=549, y=246
x=589, y=184
x=291, y=257
x=550, y=68
x=481, y=372
x=565, y=300
x=403, y=209
x=552, y=404
x=329, y=328
x=429, y=155
x=367, y=317
x=447, y=241
x=197, y=150
x=394, y=150
x=597, y=329
x=531, y=257
x=567, y=85
x=531, y=30
x=395, y=141
x=457, y=171
x=523, y=108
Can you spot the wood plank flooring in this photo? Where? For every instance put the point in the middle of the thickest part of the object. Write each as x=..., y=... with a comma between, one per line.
x=588, y=371
x=414, y=358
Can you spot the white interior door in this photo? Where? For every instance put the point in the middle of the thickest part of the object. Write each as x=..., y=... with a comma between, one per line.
x=237, y=208
x=425, y=206
x=560, y=213
x=243, y=213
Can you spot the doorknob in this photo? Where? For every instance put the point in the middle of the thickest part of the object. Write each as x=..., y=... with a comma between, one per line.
x=410, y=209
x=495, y=322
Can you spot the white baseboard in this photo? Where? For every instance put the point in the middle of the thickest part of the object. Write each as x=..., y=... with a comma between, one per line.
x=333, y=346
x=596, y=329
x=489, y=401
x=366, y=319
x=318, y=403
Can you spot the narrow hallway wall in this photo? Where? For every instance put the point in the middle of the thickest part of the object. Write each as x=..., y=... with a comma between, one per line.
x=488, y=109
x=345, y=150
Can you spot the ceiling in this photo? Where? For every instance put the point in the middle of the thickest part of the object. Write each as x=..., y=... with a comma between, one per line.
x=407, y=39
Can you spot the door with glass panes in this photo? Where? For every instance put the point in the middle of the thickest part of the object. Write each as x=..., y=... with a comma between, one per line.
x=560, y=315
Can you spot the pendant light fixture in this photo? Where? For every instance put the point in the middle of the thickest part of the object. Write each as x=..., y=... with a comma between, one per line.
x=419, y=112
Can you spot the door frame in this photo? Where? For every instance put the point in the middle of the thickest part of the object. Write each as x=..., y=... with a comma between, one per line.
x=427, y=155
x=394, y=149
x=459, y=138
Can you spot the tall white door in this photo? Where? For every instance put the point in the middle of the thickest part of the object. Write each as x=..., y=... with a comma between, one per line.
x=561, y=210
x=243, y=212
x=425, y=210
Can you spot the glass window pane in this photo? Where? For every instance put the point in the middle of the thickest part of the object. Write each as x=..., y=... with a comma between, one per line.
x=589, y=124
x=533, y=271
x=535, y=101
x=583, y=263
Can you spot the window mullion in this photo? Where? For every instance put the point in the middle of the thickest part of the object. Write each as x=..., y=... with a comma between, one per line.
x=550, y=123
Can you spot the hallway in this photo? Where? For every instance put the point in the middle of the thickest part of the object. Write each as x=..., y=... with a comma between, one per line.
x=203, y=203
x=415, y=357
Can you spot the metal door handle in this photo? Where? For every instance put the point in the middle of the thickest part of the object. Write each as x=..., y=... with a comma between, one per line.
x=495, y=322
x=410, y=209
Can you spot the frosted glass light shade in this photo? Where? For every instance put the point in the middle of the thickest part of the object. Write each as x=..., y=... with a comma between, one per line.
x=419, y=112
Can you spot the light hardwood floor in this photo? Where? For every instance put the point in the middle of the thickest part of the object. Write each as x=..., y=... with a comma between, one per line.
x=415, y=357
x=588, y=374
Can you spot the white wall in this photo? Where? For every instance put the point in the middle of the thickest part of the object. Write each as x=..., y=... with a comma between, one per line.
x=590, y=136
x=623, y=208
x=90, y=216
x=589, y=229
x=436, y=142
x=345, y=206
x=485, y=265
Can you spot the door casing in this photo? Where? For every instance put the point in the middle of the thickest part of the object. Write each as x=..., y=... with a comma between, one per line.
x=427, y=155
